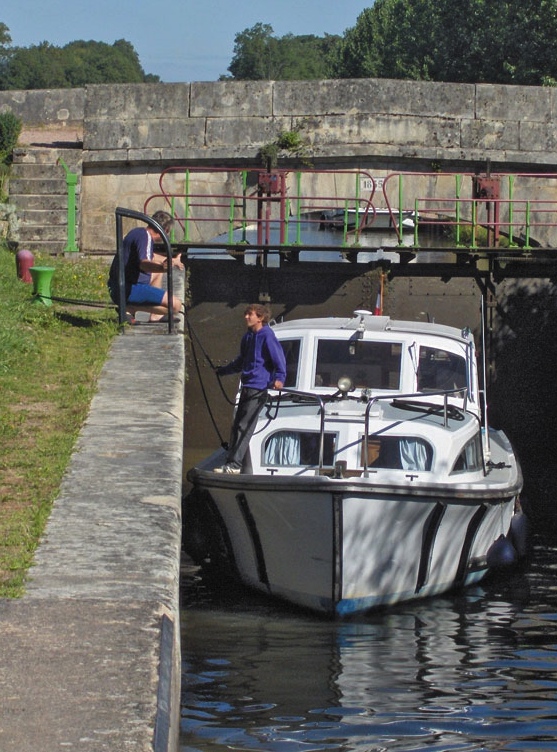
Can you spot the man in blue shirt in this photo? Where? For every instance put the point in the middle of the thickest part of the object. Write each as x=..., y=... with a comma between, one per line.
x=263, y=366
x=144, y=270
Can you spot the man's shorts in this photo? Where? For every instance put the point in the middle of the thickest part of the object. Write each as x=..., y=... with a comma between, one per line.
x=146, y=295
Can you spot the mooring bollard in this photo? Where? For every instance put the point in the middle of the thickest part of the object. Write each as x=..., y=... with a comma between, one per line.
x=42, y=277
x=24, y=260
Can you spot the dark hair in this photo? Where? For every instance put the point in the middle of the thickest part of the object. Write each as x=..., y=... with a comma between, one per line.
x=263, y=311
x=164, y=219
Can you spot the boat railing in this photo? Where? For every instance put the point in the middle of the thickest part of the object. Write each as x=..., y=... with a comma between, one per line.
x=445, y=393
x=320, y=400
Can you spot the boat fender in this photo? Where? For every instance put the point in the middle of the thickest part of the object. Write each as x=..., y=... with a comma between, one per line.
x=501, y=553
x=519, y=533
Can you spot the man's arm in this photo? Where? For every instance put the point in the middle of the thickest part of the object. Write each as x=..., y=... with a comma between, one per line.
x=159, y=264
x=279, y=361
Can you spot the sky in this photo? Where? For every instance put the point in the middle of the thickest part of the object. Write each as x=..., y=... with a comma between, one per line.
x=178, y=40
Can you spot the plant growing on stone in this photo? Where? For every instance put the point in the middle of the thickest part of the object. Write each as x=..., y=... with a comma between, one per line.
x=289, y=142
x=10, y=129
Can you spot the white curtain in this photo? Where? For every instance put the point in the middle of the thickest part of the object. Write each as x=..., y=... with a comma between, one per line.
x=413, y=454
x=283, y=449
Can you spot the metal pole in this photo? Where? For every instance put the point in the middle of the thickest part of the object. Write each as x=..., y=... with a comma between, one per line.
x=71, y=183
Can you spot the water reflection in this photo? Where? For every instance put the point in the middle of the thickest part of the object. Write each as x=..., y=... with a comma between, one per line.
x=473, y=672
x=373, y=246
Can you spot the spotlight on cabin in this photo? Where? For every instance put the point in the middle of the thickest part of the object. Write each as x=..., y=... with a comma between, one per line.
x=345, y=384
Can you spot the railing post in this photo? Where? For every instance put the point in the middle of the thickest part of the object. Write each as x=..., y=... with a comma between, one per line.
x=299, y=208
x=71, y=183
x=512, y=244
x=187, y=207
x=458, y=186
x=400, y=212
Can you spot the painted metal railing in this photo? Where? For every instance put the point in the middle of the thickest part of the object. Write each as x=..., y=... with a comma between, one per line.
x=277, y=205
x=219, y=207
x=481, y=211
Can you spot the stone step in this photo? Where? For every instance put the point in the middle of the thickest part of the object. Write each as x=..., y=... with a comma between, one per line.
x=42, y=232
x=31, y=217
x=23, y=187
x=38, y=188
x=33, y=201
x=30, y=155
x=50, y=247
x=37, y=172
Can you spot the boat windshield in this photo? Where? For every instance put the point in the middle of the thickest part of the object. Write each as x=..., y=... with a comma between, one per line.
x=371, y=365
x=291, y=349
x=439, y=369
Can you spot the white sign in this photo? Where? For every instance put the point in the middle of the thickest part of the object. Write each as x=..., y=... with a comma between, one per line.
x=366, y=184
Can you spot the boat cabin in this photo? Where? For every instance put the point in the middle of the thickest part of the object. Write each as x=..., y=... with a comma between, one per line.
x=367, y=393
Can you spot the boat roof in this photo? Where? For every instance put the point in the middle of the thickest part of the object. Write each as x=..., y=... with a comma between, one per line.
x=370, y=323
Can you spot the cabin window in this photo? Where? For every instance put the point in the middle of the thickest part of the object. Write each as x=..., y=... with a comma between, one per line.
x=470, y=458
x=298, y=448
x=291, y=349
x=370, y=365
x=398, y=453
x=439, y=369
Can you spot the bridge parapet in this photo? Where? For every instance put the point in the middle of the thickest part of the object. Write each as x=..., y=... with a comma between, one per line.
x=131, y=131
x=487, y=220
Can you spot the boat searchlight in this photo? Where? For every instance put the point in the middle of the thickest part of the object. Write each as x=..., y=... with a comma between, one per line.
x=345, y=385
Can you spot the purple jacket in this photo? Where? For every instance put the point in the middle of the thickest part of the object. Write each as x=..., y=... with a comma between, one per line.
x=261, y=360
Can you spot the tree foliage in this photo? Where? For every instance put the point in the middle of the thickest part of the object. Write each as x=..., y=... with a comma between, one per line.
x=10, y=128
x=45, y=66
x=470, y=41
x=258, y=54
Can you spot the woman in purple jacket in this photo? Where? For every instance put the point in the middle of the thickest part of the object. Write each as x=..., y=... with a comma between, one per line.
x=263, y=366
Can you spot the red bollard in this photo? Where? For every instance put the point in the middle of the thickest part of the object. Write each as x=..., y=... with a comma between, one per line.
x=24, y=260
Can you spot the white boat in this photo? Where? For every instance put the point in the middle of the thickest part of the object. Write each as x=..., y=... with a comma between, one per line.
x=371, y=478
x=368, y=218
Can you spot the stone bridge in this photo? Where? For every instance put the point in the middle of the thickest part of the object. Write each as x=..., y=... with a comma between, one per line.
x=116, y=139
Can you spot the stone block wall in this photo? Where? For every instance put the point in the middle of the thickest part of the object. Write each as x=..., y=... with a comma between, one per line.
x=132, y=132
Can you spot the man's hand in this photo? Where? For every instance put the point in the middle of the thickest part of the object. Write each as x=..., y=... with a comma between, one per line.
x=278, y=385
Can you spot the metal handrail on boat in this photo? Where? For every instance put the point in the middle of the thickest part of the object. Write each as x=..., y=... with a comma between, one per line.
x=320, y=402
x=309, y=396
x=420, y=395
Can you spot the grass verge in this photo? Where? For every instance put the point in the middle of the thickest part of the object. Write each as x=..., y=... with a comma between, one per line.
x=50, y=359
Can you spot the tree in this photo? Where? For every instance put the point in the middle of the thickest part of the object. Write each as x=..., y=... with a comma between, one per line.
x=260, y=55
x=470, y=41
x=5, y=42
x=5, y=38
x=45, y=66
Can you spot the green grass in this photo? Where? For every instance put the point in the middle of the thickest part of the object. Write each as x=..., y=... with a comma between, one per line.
x=50, y=359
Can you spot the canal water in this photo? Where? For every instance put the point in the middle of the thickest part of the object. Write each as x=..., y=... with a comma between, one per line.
x=470, y=671
x=476, y=670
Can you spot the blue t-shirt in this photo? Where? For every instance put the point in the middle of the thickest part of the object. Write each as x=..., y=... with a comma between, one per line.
x=261, y=360
x=137, y=247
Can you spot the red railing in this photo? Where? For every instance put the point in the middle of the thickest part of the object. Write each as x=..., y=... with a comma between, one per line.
x=218, y=207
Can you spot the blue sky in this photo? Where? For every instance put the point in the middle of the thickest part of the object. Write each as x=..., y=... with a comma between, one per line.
x=179, y=40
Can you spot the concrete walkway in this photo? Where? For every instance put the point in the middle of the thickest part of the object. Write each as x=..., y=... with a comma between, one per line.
x=90, y=656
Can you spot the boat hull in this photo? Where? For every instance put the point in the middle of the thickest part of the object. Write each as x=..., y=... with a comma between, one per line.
x=338, y=549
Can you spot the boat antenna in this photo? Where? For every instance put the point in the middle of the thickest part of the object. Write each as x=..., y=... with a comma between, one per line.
x=487, y=448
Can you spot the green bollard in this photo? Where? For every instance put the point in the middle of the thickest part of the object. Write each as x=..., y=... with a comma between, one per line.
x=42, y=276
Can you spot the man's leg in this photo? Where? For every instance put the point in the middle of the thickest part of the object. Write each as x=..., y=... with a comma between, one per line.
x=152, y=299
x=249, y=406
